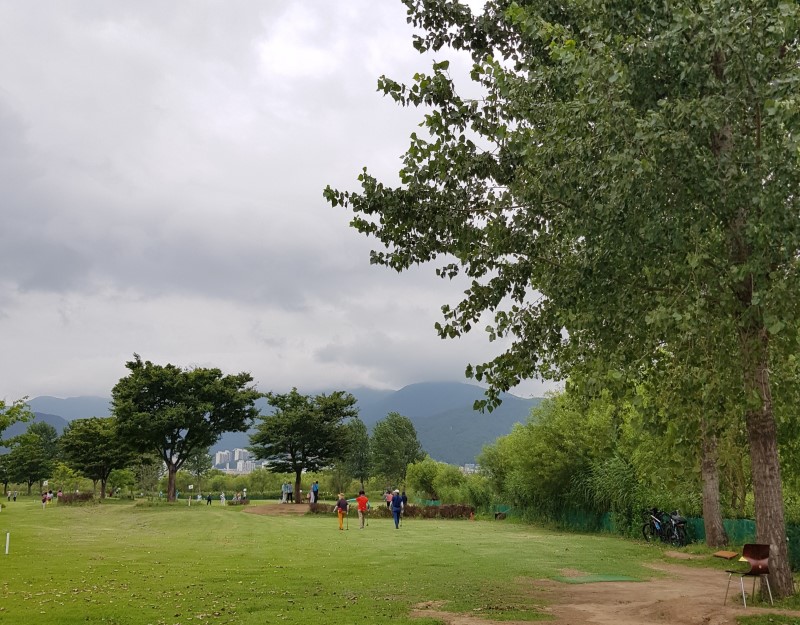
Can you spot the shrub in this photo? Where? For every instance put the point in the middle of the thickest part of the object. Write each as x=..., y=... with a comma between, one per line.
x=75, y=498
x=237, y=502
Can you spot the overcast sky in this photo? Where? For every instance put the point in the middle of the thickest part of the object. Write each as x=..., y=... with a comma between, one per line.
x=161, y=176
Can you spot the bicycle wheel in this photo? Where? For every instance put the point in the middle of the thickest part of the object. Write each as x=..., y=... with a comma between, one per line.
x=649, y=533
x=679, y=536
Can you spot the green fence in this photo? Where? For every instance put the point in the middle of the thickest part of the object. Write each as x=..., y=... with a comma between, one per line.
x=740, y=531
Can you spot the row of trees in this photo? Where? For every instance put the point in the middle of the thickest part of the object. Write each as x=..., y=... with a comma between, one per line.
x=307, y=433
x=167, y=416
x=88, y=447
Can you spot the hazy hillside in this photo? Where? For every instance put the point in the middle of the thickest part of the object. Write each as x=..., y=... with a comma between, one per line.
x=447, y=426
x=449, y=429
x=72, y=407
x=59, y=423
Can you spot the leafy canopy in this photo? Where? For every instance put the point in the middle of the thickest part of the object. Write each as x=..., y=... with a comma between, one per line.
x=93, y=448
x=394, y=446
x=304, y=432
x=174, y=412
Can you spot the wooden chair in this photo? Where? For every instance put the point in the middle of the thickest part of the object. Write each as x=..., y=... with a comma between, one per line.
x=757, y=556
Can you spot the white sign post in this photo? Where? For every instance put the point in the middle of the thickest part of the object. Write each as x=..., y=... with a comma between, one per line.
x=191, y=488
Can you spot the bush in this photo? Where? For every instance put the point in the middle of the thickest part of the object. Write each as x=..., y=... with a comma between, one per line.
x=75, y=498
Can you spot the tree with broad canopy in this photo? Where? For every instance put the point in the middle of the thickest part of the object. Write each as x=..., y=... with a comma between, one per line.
x=173, y=412
x=93, y=448
x=304, y=433
x=630, y=172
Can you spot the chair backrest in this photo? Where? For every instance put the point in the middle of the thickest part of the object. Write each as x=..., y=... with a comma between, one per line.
x=757, y=556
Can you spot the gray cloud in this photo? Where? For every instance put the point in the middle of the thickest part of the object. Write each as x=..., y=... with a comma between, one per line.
x=161, y=172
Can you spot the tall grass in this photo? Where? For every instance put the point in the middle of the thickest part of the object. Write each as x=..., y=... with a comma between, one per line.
x=119, y=563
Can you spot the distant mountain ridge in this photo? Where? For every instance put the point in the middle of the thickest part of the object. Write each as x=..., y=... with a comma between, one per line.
x=447, y=426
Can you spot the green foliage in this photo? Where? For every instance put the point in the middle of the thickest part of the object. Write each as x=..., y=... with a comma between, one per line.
x=147, y=468
x=420, y=477
x=64, y=478
x=17, y=411
x=94, y=449
x=449, y=485
x=304, y=433
x=394, y=446
x=123, y=479
x=32, y=456
x=198, y=464
x=72, y=498
x=358, y=458
x=173, y=412
x=628, y=177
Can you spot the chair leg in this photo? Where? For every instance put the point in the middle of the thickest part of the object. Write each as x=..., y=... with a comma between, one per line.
x=769, y=590
x=727, y=588
x=744, y=599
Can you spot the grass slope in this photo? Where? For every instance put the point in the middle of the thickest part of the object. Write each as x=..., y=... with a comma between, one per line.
x=117, y=563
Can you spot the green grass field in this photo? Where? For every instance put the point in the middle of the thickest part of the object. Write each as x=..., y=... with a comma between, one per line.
x=120, y=563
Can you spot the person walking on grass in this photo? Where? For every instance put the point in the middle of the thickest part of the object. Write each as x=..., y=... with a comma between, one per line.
x=341, y=509
x=397, y=508
x=363, y=505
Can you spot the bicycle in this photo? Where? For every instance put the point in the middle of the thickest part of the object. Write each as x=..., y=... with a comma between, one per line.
x=668, y=528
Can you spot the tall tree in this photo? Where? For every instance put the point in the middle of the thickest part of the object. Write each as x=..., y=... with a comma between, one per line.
x=304, y=433
x=358, y=459
x=394, y=445
x=173, y=412
x=94, y=448
x=630, y=170
x=198, y=464
x=32, y=456
x=5, y=472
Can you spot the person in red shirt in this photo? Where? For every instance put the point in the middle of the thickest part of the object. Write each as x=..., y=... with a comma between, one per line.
x=363, y=505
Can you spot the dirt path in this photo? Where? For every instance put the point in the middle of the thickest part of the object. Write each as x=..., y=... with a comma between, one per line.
x=689, y=596
x=278, y=509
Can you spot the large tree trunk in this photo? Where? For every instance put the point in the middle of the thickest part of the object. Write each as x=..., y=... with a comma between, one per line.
x=766, y=470
x=172, y=470
x=712, y=510
x=298, y=497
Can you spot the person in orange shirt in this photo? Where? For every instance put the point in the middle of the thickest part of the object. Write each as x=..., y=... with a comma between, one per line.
x=363, y=505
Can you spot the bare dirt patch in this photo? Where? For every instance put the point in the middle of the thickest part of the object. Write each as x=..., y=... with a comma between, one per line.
x=278, y=509
x=689, y=596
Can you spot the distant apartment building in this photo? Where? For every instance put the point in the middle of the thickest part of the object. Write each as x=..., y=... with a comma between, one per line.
x=222, y=458
x=236, y=461
x=245, y=466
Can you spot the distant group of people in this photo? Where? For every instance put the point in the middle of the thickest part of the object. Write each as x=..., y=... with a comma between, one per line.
x=396, y=501
x=47, y=497
x=287, y=492
x=10, y=495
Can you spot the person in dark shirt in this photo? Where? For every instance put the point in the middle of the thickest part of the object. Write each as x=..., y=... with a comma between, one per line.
x=341, y=510
x=397, y=508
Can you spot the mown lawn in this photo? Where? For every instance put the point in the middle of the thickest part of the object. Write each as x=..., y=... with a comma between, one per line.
x=118, y=563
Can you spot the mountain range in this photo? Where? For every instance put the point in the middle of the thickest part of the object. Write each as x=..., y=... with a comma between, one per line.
x=447, y=426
